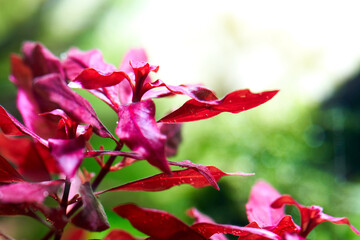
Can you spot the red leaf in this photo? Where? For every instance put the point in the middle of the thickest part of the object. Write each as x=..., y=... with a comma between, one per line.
x=25, y=192
x=27, y=157
x=90, y=78
x=202, y=218
x=286, y=226
x=92, y=216
x=8, y=174
x=164, y=181
x=310, y=216
x=157, y=224
x=234, y=102
x=138, y=130
x=68, y=153
x=247, y=233
x=173, y=137
x=11, y=126
x=118, y=234
x=259, y=209
x=72, y=103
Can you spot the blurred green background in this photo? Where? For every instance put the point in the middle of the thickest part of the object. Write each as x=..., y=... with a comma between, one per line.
x=304, y=141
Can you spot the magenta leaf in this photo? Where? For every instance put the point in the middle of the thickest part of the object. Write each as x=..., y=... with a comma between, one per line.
x=76, y=61
x=173, y=137
x=311, y=216
x=40, y=59
x=138, y=130
x=259, y=209
x=77, y=107
x=118, y=234
x=247, y=233
x=68, y=154
x=92, y=216
x=25, y=192
x=8, y=173
x=234, y=102
x=157, y=224
x=164, y=181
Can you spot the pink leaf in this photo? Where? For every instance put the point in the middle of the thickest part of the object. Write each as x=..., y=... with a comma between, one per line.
x=234, y=102
x=164, y=181
x=259, y=209
x=68, y=153
x=25, y=192
x=72, y=103
x=247, y=233
x=138, y=130
x=8, y=174
x=157, y=224
x=92, y=216
x=310, y=216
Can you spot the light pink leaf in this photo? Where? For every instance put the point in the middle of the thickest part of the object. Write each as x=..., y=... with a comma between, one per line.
x=118, y=234
x=138, y=130
x=259, y=209
x=157, y=224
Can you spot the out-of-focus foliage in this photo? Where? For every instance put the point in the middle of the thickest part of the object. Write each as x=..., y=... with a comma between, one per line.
x=302, y=148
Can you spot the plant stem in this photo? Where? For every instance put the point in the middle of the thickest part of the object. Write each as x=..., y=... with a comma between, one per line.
x=64, y=200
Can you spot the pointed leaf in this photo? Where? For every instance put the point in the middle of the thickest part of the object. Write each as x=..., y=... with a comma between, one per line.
x=164, y=181
x=8, y=174
x=72, y=103
x=286, y=226
x=157, y=224
x=209, y=229
x=68, y=153
x=259, y=209
x=138, y=130
x=92, y=216
x=234, y=102
x=311, y=216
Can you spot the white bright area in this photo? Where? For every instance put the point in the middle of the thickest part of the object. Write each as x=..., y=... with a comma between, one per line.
x=304, y=48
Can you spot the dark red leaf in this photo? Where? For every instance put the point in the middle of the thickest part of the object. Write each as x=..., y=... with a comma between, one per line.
x=164, y=181
x=73, y=233
x=118, y=234
x=77, y=107
x=157, y=224
x=92, y=216
x=173, y=137
x=234, y=102
x=138, y=130
x=310, y=216
x=259, y=209
x=68, y=154
x=247, y=233
x=25, y=192
x=8, y=174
